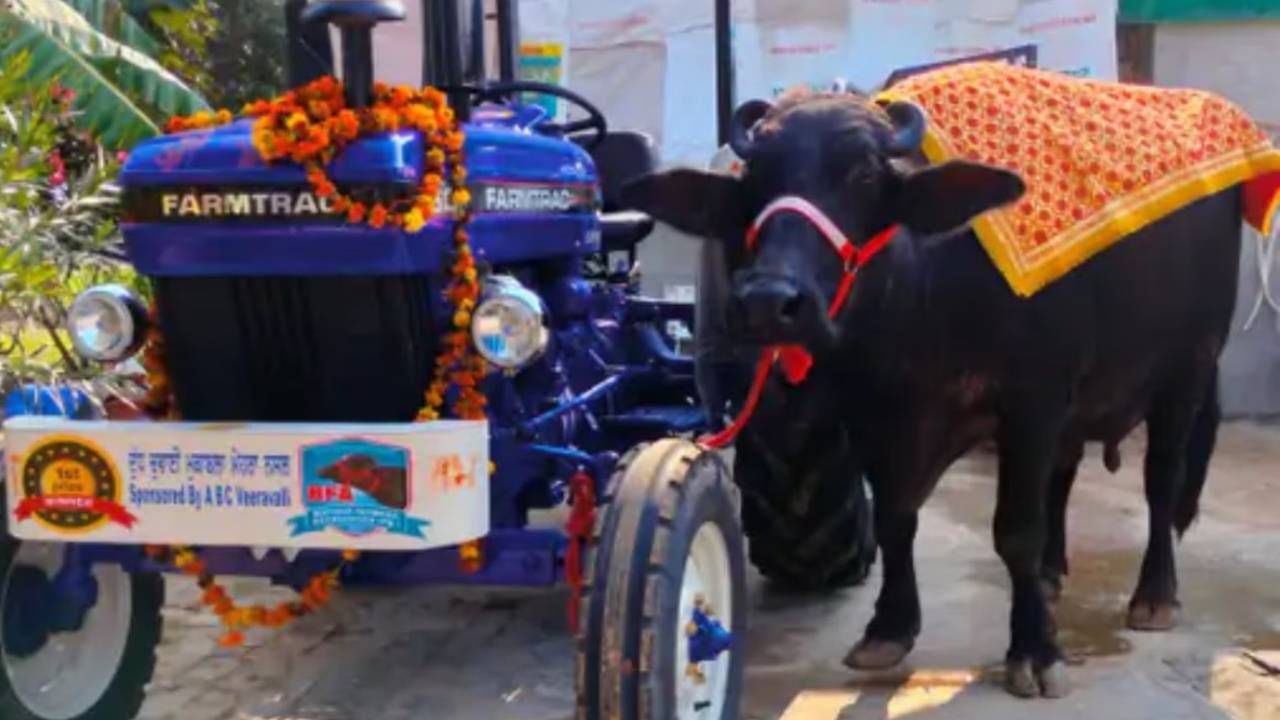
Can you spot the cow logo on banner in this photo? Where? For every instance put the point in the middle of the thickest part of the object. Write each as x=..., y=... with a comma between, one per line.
x=357, y=487
x=70, y=486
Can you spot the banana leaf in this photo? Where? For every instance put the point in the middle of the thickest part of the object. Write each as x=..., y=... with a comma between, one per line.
x=115, y=21
x=123, y=94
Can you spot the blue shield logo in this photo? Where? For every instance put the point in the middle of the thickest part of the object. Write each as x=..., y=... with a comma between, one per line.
x=357, y=487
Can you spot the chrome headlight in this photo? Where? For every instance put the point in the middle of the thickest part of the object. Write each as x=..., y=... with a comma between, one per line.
x=107, y=323
x=509, y=325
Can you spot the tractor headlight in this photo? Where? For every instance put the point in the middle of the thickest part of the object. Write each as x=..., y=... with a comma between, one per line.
x=509, y=325
x=107, y=323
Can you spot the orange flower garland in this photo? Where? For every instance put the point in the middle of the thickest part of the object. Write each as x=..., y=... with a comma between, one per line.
x=158, y=402
x=199, y=121
x=236, y=619
x=310, y=126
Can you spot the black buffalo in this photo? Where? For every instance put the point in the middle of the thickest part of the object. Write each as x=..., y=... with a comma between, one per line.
x=935, y=354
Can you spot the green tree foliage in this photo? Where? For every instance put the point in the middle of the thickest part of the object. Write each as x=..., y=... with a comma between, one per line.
x=58, y=234
x=136, y=63
x=248, y=55
x=123, y=94
x=233, y=51
x=80, y=79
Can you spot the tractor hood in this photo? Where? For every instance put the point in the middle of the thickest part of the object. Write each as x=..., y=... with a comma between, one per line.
x=203, y=203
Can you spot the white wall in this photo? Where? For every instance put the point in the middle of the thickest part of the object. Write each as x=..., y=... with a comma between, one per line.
x=1236, y=60
x=397, y=47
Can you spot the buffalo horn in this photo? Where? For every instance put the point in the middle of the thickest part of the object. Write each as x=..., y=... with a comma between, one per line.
x=908, y=127
x=744, y=120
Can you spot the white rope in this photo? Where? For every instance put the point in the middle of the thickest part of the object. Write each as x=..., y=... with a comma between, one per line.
x=1265, y=247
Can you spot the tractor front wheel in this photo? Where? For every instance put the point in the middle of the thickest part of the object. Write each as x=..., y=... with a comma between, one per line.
x=97, y=671
x=664, y=599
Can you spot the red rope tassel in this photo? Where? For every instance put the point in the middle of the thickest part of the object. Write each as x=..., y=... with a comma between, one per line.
x=725, y=437
x=579, y=526
x=795, y=361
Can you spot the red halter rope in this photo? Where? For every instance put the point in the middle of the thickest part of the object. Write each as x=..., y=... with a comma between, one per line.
x=794, y=359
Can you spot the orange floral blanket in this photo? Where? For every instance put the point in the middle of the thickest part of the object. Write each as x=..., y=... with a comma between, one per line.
x=1100, y=159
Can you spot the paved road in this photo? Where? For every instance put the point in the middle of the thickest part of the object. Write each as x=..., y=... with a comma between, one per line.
x=446, y=655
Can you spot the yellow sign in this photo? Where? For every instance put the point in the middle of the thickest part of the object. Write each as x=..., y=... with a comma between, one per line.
x=542, y=62
x=70, y=485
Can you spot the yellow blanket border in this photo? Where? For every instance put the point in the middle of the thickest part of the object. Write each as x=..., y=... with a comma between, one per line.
x=1115, y=220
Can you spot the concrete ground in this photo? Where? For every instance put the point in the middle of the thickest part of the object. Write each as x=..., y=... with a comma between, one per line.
x=447, y=654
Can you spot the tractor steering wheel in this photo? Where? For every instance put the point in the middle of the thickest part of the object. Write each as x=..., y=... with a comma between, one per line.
x=501, y=92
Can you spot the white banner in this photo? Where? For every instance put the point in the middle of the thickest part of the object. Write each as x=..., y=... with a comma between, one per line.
x=782, y=43
x=595, y=24
x=388, y=487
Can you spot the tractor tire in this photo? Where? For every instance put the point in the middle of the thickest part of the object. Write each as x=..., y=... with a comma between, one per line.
x=806, y=511
x=664, y=596
x=110, y=659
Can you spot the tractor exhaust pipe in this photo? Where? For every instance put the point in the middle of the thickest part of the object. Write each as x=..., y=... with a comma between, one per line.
x=442, y=52
x=355, y=23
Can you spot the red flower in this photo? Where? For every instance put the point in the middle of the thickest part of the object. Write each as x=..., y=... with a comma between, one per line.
x=59, y=175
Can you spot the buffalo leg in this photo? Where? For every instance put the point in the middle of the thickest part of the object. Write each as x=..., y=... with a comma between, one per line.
x=1053, y=566
x=1155, y=602
x=1026, y=446
x=893, y=629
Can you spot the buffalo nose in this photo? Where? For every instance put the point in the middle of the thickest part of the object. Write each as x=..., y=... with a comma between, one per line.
x=768, y=303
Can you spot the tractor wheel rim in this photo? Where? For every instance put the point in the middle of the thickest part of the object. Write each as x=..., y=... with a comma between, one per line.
x=706, y=576
x=72, y=671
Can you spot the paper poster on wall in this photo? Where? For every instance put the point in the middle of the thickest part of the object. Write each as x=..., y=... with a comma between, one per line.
x=797, y=43
x=689, y=105
x=1071, y=36
x=543, y=62
x=630, y=80
x=1078, y=37
x=780, y=44
x=596, y=24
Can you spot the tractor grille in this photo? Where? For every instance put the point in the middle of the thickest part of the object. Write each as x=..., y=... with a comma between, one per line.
x=298, y=349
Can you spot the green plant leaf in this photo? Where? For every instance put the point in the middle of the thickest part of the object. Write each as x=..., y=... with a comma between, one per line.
x=122, y=93
x=109, y=17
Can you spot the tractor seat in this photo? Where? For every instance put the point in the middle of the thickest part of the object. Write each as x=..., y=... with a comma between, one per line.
x=621, y=157
x=624, y=229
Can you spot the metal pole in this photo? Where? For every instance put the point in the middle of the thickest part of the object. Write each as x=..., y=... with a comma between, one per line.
x=433, y=62
x=508, y=39
x=724, y=70
x=442, y=63
x=474, y=72
x=459, y=100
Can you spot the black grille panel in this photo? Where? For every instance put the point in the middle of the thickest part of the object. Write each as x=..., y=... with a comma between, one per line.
x=300, y=349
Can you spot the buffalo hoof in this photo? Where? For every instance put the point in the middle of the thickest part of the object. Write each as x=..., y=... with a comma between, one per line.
x=1022, y=680
x=872, y=654
x=1153, y=617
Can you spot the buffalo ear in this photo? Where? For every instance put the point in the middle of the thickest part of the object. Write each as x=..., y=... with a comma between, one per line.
x=945, y=197
x=699, y=203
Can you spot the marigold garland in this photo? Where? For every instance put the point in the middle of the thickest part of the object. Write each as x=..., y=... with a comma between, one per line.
x=310, y=126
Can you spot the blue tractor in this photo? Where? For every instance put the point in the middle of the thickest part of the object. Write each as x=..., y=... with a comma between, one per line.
x=298, y=348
